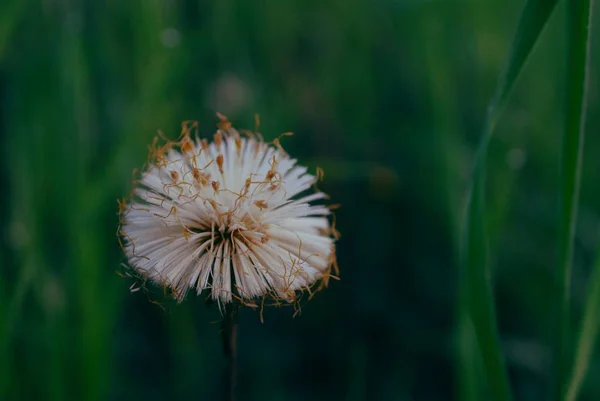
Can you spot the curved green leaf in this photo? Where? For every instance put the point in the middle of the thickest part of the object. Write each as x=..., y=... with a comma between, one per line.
x=475, y=264
x=578, y=29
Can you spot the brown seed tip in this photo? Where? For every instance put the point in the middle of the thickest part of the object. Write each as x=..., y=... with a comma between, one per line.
x=199, y=177
x=270, y=175
x=187, y=146
x=220, y=163
x=261, y=204
x=218, y=139
x=320, y=174
x=256, y=122
x=174, y=175
x=247, y=185
x=223, y=123
x=215, y=185
x=213, y=203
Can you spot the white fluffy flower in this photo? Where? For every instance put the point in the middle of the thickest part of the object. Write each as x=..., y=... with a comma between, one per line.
x=232, y=217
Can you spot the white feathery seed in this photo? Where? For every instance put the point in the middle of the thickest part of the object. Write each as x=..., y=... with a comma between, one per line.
x=232, y=217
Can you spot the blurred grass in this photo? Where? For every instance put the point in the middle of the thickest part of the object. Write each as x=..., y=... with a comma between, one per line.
x=479, y=299
x=386, y=96
x=588, y=335
x=578, y=45
x=11, y=12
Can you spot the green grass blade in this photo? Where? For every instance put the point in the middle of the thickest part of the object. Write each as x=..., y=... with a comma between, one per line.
x=578, y=29
x=479, y=300
x=533, y=19
x=590, y=326
x=476, y=267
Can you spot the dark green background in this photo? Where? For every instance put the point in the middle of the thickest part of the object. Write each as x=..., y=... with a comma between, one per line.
x=387, y=96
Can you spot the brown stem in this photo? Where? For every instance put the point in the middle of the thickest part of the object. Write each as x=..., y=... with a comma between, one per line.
x=229, y=337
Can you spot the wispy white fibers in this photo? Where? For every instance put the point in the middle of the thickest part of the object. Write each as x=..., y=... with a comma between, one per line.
x=234, y=217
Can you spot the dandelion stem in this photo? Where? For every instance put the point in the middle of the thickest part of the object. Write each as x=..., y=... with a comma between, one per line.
x=229, y=336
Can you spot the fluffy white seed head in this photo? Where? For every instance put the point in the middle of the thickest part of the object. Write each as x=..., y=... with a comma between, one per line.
x=232, y=217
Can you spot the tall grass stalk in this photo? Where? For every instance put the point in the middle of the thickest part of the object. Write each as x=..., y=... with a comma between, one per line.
x=475, y=260
x=590, y=327
x=578, y=30
x=446, y=127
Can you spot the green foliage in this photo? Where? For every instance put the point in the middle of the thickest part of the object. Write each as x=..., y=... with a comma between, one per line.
x=479, y=300
x=387, y=96
x=578, y=29
x=590, y=328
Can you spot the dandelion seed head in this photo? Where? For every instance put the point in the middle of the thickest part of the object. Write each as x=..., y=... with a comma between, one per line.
x=234, y=217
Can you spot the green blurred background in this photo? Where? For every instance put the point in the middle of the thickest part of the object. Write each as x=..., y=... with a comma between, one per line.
x=387, y=96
